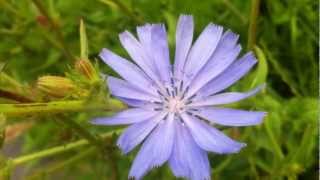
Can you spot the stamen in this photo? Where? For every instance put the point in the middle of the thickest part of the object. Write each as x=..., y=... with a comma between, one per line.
x=156, y=102
x=188, y=102
x=184, y=93
x=180, y=85
x=165, y=117
x=173, y=94
x=168, y=92
x=172, y=81
x=189, y=113
x=192, y=97
x=159, y=93
x=187, y=89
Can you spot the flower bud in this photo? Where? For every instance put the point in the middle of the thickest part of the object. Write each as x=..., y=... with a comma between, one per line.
x=86, y=68
x=56, y=86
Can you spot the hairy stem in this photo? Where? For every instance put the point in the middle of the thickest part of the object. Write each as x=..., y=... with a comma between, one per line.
x=58, y=106
x=55, y=150
x=60, y=165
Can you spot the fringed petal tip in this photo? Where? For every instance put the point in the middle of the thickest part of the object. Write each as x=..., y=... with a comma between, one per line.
x=262, y=117
x=122, y=149
x=104, y=53
x=237, y=149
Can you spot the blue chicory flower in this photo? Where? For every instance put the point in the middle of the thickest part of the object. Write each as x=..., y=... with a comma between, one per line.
x=174, y=105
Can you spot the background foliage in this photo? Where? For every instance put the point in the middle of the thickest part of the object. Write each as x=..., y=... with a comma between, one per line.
x=42, y=38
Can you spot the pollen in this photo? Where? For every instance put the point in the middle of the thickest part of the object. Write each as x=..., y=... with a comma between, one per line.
x=175, y=105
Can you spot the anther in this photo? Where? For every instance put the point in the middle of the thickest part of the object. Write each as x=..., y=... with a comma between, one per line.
x=156, y=102
x=172, y=82
x=180, y=85
x=159, y=93
x=188, y=102
x=189, y=113
x=176, y=90
x=184, y=93
x=168, y=92
x=173, y=93
x=192, y=97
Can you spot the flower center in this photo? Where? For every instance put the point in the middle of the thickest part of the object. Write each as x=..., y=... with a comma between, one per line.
x=175, y=105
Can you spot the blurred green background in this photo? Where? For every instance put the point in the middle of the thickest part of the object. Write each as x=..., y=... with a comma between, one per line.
x=41, y=37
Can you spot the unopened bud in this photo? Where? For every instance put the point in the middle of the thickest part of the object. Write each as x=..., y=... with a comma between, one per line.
x=86, y=68
x=56, y=86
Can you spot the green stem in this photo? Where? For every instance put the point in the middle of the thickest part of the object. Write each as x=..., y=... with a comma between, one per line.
x=55, y=150
x=235, y=11
x=84, y=133
x=273, y=140
x=63, y=164
x=58, y=106
x=255, y=4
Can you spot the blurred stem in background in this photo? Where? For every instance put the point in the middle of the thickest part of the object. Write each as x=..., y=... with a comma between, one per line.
x=118, y=4
x=55, y=27
x=235, y=11
x=252, y=31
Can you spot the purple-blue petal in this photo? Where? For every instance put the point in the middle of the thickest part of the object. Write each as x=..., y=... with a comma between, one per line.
x=136, y=133
x=184, y=35
x=209, y=138
x=225, y=98
x=133, y=102
x=230, y=117
x=129, y=71
x=138, y=54
x=188, y=160
x=123, y=89
x=160, y=51
x=156, y=150
x=231, y=75
x=129, y=116
x=201, y=51
x=225, y=53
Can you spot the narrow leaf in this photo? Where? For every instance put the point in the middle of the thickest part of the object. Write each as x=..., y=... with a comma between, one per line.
x=83, y=41
x=262, y=70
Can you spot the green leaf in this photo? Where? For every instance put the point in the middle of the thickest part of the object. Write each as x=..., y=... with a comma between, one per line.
x=262, y=70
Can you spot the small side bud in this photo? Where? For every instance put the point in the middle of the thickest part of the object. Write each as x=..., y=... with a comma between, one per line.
x=56, y=86
x=86, y=68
